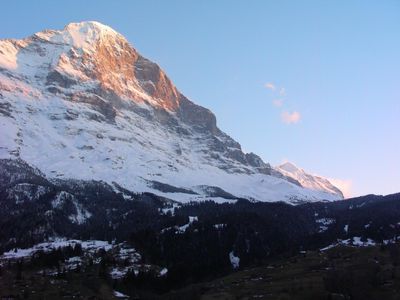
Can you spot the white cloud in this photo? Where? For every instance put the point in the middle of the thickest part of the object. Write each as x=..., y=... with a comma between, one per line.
x=290, y=117
x=277, y=102
x=270, y=86
x=345, y=185
x=282, y=92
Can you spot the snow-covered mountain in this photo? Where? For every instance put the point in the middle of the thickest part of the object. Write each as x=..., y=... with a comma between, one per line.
x=313, y=182
x=82, y=103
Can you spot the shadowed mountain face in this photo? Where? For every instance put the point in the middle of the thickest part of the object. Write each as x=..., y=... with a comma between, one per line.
x=82, y=103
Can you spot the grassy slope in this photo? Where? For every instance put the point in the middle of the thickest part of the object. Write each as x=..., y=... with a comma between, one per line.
x=340, y=273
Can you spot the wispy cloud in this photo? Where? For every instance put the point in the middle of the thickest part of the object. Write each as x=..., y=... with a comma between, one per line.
x=270, y=86
x=345, y=185
x=290, y=117
x=277, y=102
x=280, y=94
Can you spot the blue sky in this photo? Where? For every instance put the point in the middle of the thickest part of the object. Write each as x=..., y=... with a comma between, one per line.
x=312, y=82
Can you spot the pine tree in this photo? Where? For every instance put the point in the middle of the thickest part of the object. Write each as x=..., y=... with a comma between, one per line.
x=19, y=270
x=103, y=268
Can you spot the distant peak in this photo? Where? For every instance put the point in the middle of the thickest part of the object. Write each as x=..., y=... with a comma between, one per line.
x=307, y=180
x=289, y=167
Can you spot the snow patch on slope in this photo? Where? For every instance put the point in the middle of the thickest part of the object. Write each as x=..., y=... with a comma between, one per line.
x=81, y=215
x=235, y=260
x=92, y=246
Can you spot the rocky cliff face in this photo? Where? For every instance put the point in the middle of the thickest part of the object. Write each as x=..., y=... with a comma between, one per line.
x=82, y=103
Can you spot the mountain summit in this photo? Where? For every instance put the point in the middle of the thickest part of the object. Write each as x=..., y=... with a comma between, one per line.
x=82, y=103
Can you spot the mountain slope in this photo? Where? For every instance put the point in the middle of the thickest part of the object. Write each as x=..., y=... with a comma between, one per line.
x=82, y=103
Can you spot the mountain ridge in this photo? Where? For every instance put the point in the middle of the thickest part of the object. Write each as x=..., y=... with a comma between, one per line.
x=307, y=180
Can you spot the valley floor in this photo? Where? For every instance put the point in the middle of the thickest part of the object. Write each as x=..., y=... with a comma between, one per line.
x=342, y=272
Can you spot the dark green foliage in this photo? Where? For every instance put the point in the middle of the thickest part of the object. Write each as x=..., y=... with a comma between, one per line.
x=254, y=231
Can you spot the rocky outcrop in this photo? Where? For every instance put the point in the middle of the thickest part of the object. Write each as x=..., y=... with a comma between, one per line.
x=154, y=82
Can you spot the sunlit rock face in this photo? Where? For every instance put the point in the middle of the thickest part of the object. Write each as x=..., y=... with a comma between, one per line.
x=82, y=103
